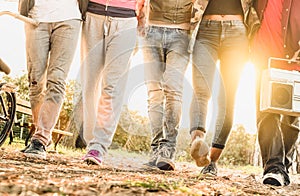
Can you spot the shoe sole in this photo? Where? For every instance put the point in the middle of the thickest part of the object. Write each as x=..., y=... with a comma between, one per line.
x=209, y=175
x=199, y=152
x=92, y=161
x=36, y=156
x=149, y=167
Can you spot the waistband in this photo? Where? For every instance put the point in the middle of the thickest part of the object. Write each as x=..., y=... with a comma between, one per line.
x=109, y=18
x=223, y=17
x=164, y=28
x=110, y=10
x=221, y=22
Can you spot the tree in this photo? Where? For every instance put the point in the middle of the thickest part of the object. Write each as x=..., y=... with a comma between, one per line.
x=239, y=148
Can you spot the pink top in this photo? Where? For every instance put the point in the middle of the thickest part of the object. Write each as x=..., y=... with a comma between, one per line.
x=130, y=4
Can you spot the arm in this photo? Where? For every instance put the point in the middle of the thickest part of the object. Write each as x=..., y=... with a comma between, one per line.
x=142, y=7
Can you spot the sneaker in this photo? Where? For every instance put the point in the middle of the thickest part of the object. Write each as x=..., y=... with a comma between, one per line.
x=35, y=150
x=152, y=161
x=275, y=179
x=93, y=157
x=199, y=152
x=23, y=150
x=210, y=169
x=165, y=160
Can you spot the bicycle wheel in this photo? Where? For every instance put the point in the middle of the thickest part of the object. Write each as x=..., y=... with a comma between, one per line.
x=7, y=113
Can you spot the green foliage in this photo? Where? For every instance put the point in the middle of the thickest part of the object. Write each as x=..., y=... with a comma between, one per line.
x=21, y=83
x=67, y=106
x=239, y=147
x=133, y=132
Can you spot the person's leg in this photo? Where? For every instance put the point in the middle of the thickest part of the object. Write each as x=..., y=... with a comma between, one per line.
x=154, y=67
x=272, y=149
x=203, y=69
x=92, y=65
x=270, y=138
x=290, y=132
x=119, y=46
x=37, y=50
x=46, y=104
x=64, y=39
x=233, y=55
x=177, y=59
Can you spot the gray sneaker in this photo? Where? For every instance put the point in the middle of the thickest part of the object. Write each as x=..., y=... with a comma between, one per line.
x=152, y=161
x=35, y=150
x=166, y=156
x=210, y=169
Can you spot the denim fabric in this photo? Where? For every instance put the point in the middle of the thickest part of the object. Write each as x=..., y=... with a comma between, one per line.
x=50, y=49
x=165, y=60
x=226, y=41
x=106, y=47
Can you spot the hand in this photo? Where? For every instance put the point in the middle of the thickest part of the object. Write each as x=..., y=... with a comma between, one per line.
x=141, y=28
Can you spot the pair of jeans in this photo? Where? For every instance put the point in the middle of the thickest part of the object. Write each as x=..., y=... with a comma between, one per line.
x=277, y=135
x=50, y=49
x=227, y=42
x=165, y=62
x=106, y=47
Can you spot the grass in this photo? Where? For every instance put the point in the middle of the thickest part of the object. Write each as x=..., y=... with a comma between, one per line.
x=249, y=169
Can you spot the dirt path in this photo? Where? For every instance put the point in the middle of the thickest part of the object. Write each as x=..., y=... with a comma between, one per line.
x=122, y=174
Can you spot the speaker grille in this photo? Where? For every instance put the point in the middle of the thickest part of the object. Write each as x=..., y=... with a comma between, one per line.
x=282, y=95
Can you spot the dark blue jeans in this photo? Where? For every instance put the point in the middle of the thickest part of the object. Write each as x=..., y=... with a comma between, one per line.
x=227, y=42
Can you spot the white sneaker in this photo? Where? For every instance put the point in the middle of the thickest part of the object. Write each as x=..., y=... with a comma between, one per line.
x=199, y=152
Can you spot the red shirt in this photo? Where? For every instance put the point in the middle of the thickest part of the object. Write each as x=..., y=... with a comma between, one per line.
x=269, y=41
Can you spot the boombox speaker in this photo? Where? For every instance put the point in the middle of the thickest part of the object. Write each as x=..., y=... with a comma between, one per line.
x=280, y=90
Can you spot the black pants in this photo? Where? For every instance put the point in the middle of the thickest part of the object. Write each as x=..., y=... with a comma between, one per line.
x=277, y=135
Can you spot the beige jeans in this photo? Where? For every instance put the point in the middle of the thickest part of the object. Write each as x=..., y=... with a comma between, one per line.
x=50, y=50
x=106, y=47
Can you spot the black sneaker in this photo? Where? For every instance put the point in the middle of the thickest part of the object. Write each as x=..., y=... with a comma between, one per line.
x=210, y=169
x=35, y=150
x=166, y=156
x=276, y=177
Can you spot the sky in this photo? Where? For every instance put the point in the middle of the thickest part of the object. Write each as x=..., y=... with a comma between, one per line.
x=12, y=51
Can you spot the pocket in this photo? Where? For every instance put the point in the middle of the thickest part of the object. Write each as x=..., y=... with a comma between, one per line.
x=182, y=32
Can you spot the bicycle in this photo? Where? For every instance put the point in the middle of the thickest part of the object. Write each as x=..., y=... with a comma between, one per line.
x=7, y=105
x=8, y=91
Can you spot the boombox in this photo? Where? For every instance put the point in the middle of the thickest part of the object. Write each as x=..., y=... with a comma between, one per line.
x=280, y=89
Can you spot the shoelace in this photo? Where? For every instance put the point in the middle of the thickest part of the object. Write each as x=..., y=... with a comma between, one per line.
x=165, y=151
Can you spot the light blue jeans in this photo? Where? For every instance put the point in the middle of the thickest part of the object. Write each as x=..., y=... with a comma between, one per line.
x=226, y=41
x=165, y=60
x=106, y=47
x=50, y=49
